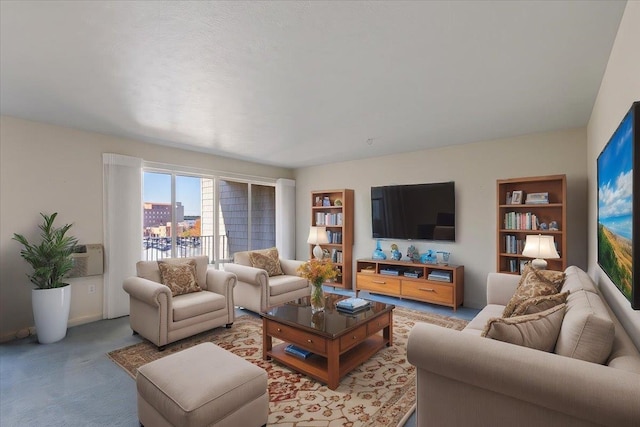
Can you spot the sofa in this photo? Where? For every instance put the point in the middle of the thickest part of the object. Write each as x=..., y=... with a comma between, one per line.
x=266, y=280
x=466, y=379
x=162, y=317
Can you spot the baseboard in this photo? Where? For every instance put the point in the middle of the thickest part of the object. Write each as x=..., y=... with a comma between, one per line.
x=31, y=330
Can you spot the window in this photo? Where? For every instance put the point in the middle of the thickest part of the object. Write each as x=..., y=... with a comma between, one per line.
x=188, y=215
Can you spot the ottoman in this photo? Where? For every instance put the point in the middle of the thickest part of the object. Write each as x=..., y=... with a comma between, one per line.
x=204, y=385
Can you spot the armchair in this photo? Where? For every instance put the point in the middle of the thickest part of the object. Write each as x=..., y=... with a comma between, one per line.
x=162, y=318
x=257, y=291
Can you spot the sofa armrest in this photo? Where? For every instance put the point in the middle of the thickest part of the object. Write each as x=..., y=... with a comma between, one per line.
x=290, y=266
x=146, y=290
x=220, y=282
x=501, y=287
x=251, y=275
x=583, y=390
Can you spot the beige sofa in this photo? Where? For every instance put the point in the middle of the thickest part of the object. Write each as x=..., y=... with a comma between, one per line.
x=464, y=379
x=162, y=318
x=257, y=291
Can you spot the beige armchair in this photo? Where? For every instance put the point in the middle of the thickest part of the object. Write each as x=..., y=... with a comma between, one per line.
x=162, y=318
x=257, y=291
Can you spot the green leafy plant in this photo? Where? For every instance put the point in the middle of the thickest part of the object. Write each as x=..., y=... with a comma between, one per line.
x=51, y=258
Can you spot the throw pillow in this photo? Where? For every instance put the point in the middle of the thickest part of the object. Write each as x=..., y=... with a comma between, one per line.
x=180, y=278
x=538, y=331
x=540, y=303
x=268, y=260
x=534, y=283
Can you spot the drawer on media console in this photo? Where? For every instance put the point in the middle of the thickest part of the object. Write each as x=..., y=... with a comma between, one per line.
x=378, y=283
x=428, y=291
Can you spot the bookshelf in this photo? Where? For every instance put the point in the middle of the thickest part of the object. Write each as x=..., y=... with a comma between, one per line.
x=516, y=221
x=334, y=209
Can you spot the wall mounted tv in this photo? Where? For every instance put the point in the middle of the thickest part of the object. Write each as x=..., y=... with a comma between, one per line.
x=414, y=212
x=619, y=206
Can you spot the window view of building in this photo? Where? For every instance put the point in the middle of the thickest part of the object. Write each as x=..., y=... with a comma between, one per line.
x=186, y=216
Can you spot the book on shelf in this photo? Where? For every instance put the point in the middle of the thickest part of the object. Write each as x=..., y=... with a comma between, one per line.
x=440, y=275
x=353, y=311
x=414, y=274
x=389, y=272
x=368, y=270
x=297, y=351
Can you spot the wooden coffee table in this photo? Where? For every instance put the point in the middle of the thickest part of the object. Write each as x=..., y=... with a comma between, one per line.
x=339, y=342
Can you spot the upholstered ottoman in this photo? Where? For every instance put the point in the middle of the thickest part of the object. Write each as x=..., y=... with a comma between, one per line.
x=204, y=385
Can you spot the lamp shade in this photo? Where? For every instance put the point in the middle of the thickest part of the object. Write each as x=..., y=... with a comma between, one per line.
x=540, y=247
x=317, y=236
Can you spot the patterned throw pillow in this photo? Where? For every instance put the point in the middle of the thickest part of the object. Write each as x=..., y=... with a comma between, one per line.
x=180, y=278
x=268, y=260
x=534, y=283
x=539, y=331
x=540, y=303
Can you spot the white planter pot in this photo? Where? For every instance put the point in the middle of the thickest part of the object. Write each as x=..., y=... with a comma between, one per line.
x=51, y=313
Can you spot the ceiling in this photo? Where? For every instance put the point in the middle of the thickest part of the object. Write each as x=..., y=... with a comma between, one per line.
x=295, y=84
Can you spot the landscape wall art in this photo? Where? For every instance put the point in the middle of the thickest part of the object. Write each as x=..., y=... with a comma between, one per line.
x=617, y=205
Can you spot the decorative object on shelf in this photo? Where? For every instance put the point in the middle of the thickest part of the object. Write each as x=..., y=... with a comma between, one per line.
x=326, y=201
x=428, y=257
x=516, y=197
x=337, y=202
x=317, y=272
x=378, y=253
x=443, y=257
x=395, y=253
x=413, y=254
x=553, y=226
x=508, y=198
x=540, y=247
x=543, y=226
x=51, y=260
x=318, y=236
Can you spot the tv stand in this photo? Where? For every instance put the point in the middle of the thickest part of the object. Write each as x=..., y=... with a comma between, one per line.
x=433, y=283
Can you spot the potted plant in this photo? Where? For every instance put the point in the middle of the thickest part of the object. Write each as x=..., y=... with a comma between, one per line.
x=51, y=260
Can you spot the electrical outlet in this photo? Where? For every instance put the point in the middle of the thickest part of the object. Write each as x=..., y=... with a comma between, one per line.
x=92, y=289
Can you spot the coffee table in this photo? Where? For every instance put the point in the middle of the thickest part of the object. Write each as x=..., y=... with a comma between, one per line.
x=339, y=342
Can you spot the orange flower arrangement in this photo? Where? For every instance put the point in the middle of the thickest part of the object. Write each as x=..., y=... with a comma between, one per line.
x=318, y=271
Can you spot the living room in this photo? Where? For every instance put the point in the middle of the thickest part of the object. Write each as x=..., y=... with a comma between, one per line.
x=64, y=174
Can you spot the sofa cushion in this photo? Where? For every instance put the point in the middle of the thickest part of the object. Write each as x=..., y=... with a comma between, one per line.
x=268, y=260
x=180, y=278
x=194, y=304
x=534, y=283
x=280, y=285
x=587, y=332
x=149, y=269
x=538, y=331
x=577, y=279
x=540, y=303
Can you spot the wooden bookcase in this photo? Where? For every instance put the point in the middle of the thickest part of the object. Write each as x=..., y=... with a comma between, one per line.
x=516, y=221
x=405, y=279
x=338, y=218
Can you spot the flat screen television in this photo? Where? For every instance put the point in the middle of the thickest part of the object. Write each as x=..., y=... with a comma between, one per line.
x=414, y=212
x=619, y=206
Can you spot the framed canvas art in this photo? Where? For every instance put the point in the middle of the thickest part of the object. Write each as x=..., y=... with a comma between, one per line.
x=618, y=206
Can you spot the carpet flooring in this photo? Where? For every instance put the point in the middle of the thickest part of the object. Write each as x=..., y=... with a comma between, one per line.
x=380, y=392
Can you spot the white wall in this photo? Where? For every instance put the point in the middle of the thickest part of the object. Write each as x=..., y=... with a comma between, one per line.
x=45, y=168
x=475, y=169
x=619, y=88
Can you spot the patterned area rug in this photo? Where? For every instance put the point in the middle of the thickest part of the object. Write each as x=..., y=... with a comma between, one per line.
x=379, y=392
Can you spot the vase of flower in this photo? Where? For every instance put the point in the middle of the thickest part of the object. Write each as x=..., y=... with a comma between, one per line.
x=317, y=272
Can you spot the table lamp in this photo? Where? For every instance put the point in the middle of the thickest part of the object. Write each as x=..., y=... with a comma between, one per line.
x=318, y=236
x=540, y=247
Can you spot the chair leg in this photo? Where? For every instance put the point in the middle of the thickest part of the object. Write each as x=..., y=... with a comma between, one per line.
x=162, y=347
x=134, y=333
x=228, y=325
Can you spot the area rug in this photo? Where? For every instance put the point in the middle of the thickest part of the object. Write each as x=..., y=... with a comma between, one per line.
x=380, y=392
